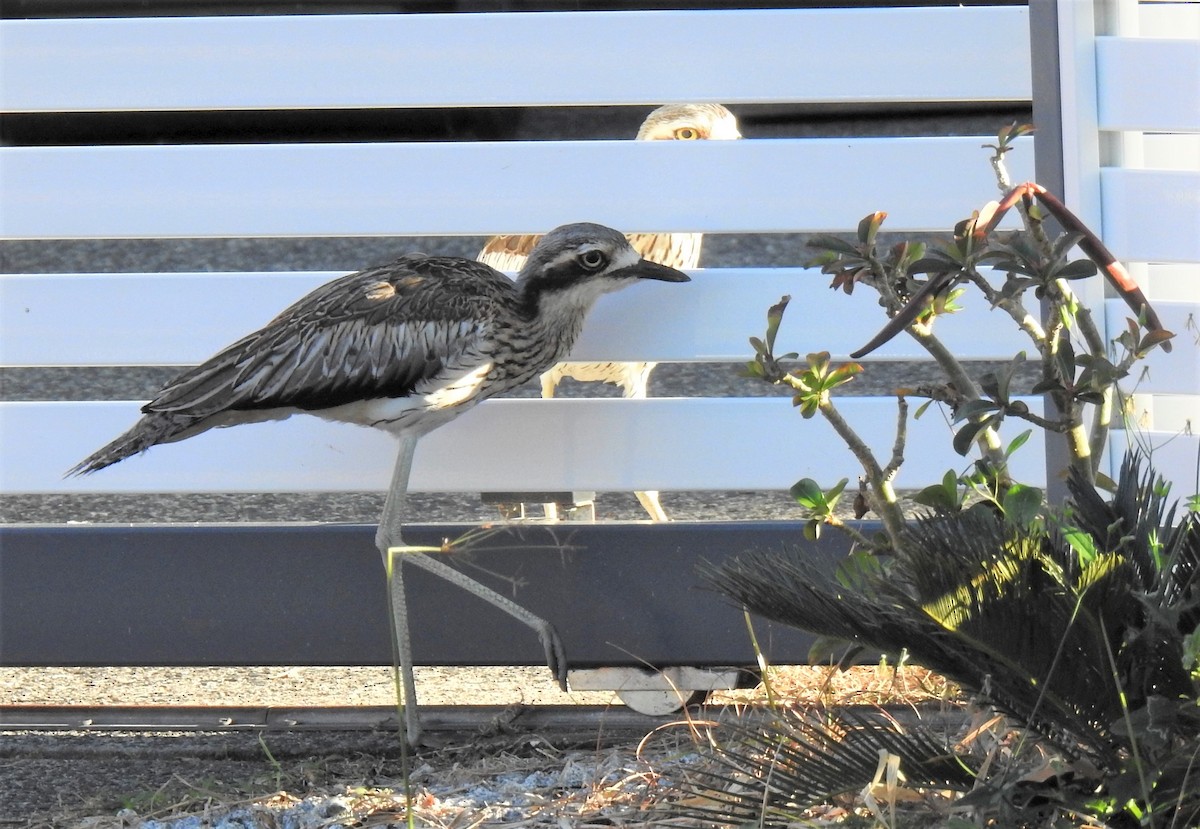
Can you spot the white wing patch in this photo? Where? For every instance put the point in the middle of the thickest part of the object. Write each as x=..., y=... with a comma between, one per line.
x=459, y=390
x=448, y=396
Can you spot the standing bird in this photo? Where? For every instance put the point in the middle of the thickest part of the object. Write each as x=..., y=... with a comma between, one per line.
x=403, y=347
x=673, y=122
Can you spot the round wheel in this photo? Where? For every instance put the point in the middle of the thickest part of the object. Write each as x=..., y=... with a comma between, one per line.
x=660, y=703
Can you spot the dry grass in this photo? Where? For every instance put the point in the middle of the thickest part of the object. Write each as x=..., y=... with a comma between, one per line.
x=524, y=780
x=881, y=684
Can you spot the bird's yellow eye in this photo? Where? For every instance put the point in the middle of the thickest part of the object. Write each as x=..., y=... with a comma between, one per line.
x=592, y=259
x=687, y=133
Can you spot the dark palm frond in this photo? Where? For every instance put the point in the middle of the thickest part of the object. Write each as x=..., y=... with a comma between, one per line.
x=1130, y=520
x=767, y=773
x=1032, y=598
x=1073, y=626
x=1148, y=617
x=780, y=587
x=1181, y=584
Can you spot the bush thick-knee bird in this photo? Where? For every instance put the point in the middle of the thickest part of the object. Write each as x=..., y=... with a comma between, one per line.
x=404, y=347
x=673, y=122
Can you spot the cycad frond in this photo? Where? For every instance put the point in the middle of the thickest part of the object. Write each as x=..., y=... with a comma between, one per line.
x=1003, y=626
x=767, y=773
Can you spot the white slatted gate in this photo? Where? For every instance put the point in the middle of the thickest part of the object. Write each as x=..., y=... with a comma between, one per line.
x=926, y=183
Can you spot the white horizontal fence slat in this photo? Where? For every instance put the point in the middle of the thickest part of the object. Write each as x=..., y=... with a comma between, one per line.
x=1161, y=373
x=1171, y=151
x=1148, y=102
x=1173, y=282
x=1160, y=18
x=1151, y=215
x=1175, y=455
x=1148, y=83
x=182, y=319
x=644, y=57
x=1169, y=413
x=577, y=444
x=482, y=188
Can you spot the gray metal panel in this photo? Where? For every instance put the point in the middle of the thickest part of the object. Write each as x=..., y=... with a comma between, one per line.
x=624, y=594
x=1048, y=166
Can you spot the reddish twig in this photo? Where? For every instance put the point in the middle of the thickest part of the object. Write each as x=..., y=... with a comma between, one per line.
x=1089, y=242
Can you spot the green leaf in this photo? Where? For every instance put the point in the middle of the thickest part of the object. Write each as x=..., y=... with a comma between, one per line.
x=941, y=497
x=825, y=241
x=933, y=265
x=1079, y=269
x=808, y=494
x=812, y=529
x=869, y=227
x=842, y=374
x=974, y=408
x=859, y=571
x=1022, y=504
x=826, y=650
x=818, y=361
x=774, y=318
x=1067, y=316
x=1153, y=338
x=1191, y=652
x=965, y=436
x=1017, y=442
x=990, y=385
x=1064, y=358
x=808, y=404
x=1043, y=386
x=921, y=409
x=1082, y=543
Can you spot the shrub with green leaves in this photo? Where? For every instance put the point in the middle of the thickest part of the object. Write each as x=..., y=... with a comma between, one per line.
x=1079, y=371
x=1075, y=628
x=1078, y=625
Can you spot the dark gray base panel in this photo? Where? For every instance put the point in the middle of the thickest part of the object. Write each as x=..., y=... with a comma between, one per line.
x=619, y=595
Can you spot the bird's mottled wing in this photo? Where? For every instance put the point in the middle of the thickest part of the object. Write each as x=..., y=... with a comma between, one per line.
x=508, y=253
x=375, y=333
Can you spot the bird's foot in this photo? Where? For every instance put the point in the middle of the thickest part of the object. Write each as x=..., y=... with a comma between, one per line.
x=386, y=539
x=556, y=654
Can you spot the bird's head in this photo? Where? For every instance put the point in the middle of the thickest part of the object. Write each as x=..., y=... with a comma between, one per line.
x=689, y=122
x=576, y=263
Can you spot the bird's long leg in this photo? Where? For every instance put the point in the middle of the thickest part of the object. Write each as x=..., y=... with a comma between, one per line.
x=556, y=655
x=390, y=537
x=386, y=538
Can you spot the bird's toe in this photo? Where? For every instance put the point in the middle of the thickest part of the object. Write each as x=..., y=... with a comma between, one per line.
x=556, y=654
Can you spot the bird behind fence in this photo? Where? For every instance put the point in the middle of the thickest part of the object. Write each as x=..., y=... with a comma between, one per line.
x=673, y=122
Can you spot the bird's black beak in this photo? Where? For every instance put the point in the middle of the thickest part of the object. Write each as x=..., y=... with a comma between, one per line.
x=652, y=270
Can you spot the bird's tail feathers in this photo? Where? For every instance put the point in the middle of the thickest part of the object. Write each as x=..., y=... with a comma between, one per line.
x=153, y=428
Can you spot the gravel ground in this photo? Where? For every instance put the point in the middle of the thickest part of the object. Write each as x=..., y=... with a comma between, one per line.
x=61, y=778
x=603, y=770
